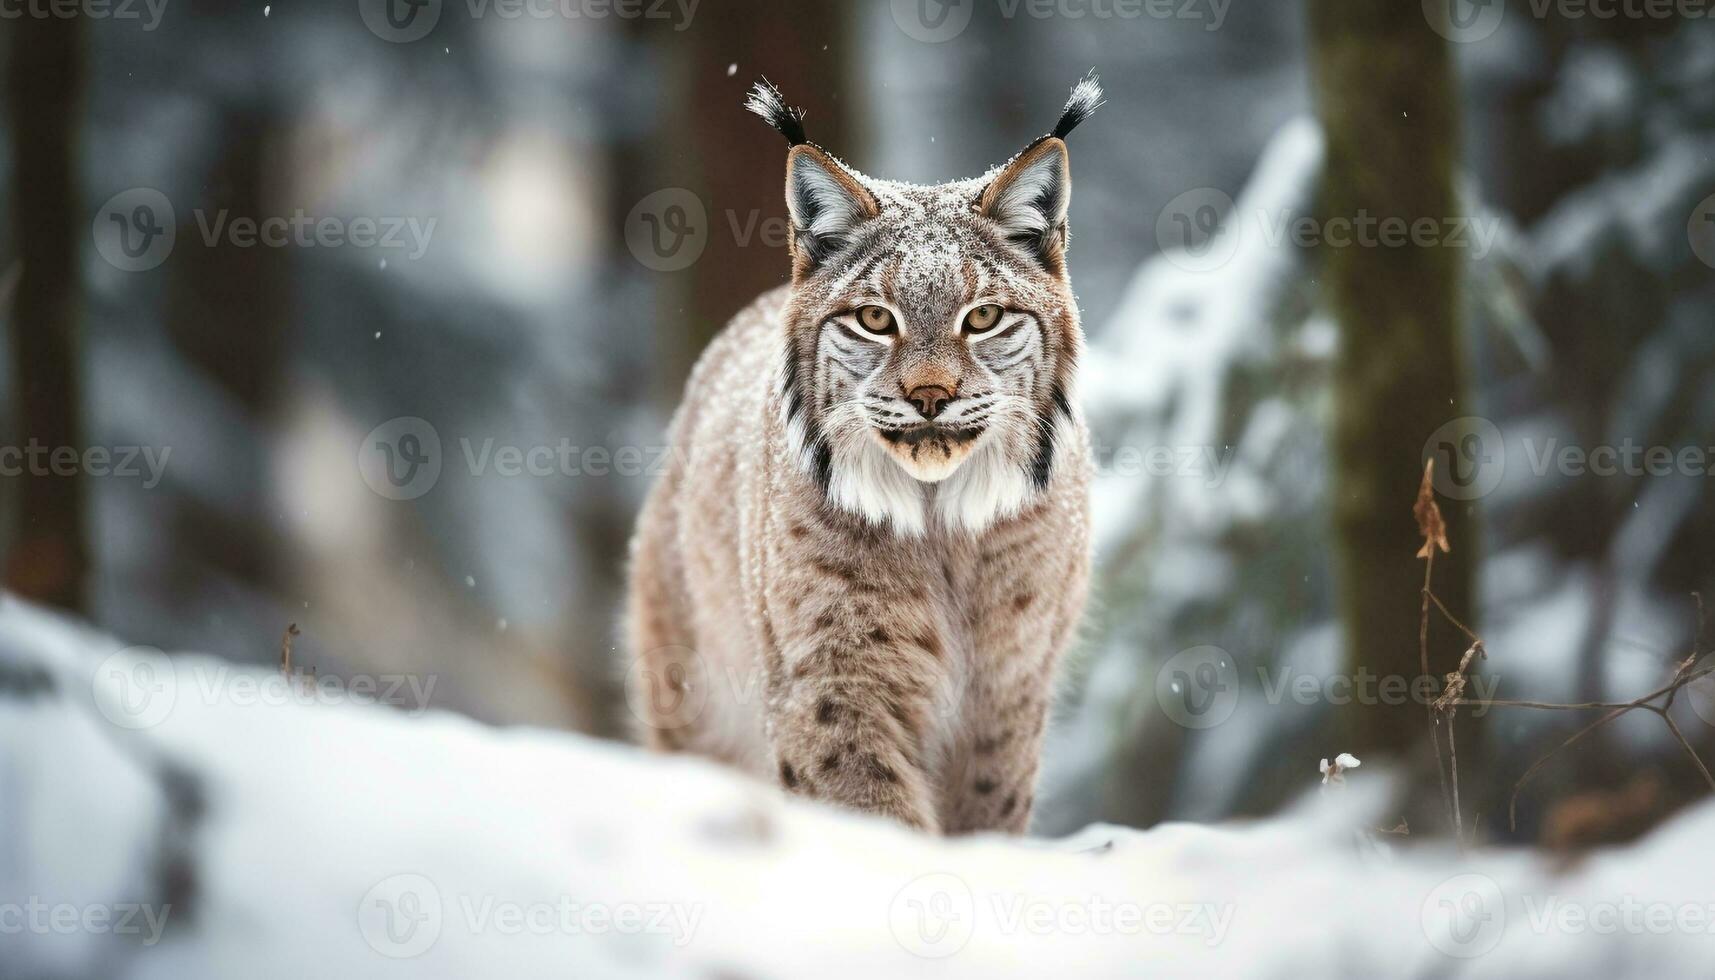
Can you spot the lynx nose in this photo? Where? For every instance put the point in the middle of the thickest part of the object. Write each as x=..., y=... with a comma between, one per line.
x=929, y=399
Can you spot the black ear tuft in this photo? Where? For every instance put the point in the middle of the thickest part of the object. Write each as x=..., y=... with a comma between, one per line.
x=766, y=101
x=1086, y=99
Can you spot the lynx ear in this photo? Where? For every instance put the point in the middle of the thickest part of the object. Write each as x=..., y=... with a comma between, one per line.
x=826, y=204
x=1029, y=200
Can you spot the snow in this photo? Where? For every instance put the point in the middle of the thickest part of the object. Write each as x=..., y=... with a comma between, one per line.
x=338, y=839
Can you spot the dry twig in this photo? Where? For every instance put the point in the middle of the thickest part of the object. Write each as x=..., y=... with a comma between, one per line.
x=286, y=648
x=1434, y=531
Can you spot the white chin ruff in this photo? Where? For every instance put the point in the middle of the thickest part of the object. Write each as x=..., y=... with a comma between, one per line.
x=865, y=479
x=868, y=481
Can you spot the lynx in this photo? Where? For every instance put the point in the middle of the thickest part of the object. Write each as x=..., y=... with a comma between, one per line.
x=873, y=545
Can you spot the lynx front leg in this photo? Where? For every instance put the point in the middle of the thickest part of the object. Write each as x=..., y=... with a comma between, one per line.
x=1007, y=717
x=668, y=671
x=848, y=709
x=1030, y=594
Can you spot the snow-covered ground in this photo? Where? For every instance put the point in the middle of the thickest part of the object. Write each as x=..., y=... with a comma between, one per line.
x=183, y=818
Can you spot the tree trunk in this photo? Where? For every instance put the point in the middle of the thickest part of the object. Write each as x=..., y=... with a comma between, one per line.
x=1385, y=93
x=228, y=314
x=49, y=554
x=732, y=161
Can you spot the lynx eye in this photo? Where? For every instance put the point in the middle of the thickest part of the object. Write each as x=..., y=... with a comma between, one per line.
x=982, y=319
x=876, y=320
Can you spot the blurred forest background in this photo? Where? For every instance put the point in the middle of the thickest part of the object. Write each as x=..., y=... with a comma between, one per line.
x=578, y=202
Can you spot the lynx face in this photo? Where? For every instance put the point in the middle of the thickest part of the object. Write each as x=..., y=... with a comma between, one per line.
x=932, y=337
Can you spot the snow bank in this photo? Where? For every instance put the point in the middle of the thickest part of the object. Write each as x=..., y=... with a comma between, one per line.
x=184, y=818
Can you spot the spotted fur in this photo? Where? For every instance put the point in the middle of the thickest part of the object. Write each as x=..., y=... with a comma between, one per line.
x=838, y=588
